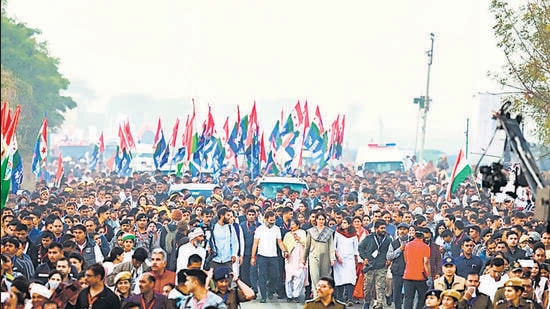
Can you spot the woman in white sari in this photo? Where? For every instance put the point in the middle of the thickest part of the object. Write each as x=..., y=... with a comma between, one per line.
x=295, y=271
x=347, y=255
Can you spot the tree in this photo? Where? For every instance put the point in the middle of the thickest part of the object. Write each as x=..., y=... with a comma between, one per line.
x=523, y=34
x=32, y=80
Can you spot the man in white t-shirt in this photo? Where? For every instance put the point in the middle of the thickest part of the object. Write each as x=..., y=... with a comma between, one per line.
x=264, y=252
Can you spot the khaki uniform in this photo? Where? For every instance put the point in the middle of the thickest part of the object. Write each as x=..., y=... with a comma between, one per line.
x=317, y=304
x=523, y=304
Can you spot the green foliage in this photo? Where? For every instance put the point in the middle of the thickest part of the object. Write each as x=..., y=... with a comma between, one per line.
x=523, y=34
x=37, y=81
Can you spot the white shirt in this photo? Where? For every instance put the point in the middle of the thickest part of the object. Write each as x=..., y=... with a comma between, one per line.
x=267, y=244
x=489, y=286
x=185, y=251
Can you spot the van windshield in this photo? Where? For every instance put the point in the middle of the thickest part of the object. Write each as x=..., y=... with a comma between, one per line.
x=269, y=189
x=380, y=167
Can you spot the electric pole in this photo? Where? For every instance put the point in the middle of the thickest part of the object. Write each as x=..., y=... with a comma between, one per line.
x=424, y=106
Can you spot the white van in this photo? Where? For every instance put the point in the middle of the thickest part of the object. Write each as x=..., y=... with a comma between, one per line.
x=379, y=158
x=142, y=158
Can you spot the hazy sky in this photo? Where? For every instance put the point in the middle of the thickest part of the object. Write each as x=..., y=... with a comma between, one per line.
x=232, y=52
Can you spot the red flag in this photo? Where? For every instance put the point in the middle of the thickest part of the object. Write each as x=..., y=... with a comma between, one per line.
x=184, y=135
x=129, y=137
x=306, y=117
x=12, y=125
x=238, y=118
x=299, y=118
x=226, y=129
x=5, y=117
x=122, y=138
x=175, y=133
x=60, y=171
x=101, y=143
x=189, y=132
x=341, y=130
x=209, y=128
x=252, y=126
x=111, y=162
x=157, y=134
x=318, y=120
x=263, y=156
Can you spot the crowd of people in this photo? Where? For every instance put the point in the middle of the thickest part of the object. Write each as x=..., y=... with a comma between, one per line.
x=350, y=239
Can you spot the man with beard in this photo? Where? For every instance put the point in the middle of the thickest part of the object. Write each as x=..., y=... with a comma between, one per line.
x=224, y=239
x=266, y=239
x=395, y=255
x=373, y=250
x=194, y=246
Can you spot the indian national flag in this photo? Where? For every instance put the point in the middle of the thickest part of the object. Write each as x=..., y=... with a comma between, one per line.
x=461, y=171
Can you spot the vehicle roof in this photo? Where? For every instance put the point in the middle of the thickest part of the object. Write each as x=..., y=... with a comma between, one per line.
x=378, y=154
x=278, y=179
x=199, y=186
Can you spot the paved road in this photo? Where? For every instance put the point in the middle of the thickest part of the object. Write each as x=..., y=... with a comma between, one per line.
x=255, y=304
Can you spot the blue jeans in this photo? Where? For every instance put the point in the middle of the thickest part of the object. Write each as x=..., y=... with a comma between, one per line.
x=249, y=273
x=268, y=270
x=344, y=293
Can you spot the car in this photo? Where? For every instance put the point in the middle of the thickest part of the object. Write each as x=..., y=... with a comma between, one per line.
x=270, y=185
x=195, y=189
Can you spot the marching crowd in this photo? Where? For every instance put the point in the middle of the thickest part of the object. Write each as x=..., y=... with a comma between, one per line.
x=351, y=239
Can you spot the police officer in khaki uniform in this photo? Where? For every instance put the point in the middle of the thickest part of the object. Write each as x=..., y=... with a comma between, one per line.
x=513, y=288
x=515, y=272
x=449, y=299
x=324, y=299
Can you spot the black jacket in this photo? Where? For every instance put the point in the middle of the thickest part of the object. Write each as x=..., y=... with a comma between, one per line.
x=107, y=299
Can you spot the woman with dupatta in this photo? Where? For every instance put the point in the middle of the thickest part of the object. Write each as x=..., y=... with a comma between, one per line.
x=319, y=250
x=347, y=255
x=295, y=271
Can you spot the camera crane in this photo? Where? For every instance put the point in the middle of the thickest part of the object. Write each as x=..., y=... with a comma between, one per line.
x=530, y=174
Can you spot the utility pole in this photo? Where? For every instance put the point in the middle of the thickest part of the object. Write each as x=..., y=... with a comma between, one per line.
x=424, y=106
x=467, y=133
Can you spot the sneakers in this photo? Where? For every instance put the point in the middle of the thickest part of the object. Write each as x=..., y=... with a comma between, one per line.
x=388, y=300
x=263, y=300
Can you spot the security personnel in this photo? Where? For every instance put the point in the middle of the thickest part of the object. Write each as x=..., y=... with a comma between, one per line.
x=513, y=288
x=449, y=299
x=432, y=299
x=515, y=272
x=324, y=299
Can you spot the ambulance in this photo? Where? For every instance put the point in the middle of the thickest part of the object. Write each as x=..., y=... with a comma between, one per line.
x=379, y=158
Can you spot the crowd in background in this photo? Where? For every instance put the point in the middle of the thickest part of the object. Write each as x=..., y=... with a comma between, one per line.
x=387, y=239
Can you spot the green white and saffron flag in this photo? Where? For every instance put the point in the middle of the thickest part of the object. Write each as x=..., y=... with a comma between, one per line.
x=6, y=168
x=461, y=171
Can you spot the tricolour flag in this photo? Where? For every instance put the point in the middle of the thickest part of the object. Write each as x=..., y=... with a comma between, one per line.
x=461, y=171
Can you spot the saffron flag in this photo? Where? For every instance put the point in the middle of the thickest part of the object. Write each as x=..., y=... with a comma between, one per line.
x=461, y=171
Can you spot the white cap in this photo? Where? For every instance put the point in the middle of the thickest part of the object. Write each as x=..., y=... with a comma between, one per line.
x=41, y=290
x=196, y=233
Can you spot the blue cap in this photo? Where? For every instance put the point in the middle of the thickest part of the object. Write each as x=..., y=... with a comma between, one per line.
x=222, y=272
x=448, y=261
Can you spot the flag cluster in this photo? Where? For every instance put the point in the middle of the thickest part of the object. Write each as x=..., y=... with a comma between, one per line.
x=201, y=149
x=11, y=168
